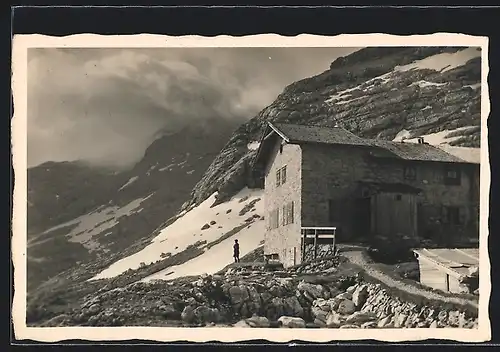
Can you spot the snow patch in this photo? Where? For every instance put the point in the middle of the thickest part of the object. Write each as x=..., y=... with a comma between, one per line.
x=371, y=82
x=474, y=86
x=151, y=169
x=168, y=167
x=442, y=62
x=94, y=223
x=189, y=172
x=217, y=257
x=431, y=138
x=253, y=145
x=471, y=155
x=423, y=84
x=178, y=236
x=402, y=135
x=129, y=182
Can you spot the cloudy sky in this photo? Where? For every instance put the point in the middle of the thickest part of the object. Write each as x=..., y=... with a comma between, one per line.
x=106, y=105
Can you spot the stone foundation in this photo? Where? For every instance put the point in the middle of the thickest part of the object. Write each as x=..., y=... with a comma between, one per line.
x=323, y=251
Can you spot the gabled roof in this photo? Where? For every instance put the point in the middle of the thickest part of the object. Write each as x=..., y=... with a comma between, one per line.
x=414, y=151
x=316, y=134
x=302, y=134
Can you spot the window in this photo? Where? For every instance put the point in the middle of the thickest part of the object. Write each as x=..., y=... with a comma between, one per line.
x=410, y=173
x=398, y=197
x=274, y=220
x=452, y=176
x=281, y=176
x=288, y=214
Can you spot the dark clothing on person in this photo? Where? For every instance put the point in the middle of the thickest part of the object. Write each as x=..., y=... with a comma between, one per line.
x=236, y=253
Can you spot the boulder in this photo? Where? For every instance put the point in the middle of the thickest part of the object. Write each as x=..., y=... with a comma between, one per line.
x=293, y=307
x=238, y=295
x=187, y=314
x=242, y=324
x=346, y=307
x=319, y=314
x=168, y=311
x=454, y=318
x=360, y=318
x=399, y=320
x=292, y=322
x=384, y=322
x=360, y=295
x=351, y=289
x=94, y=309
x=442, y=316
x=334, y=320
x=255, y=301
x=310, y=290
x=320, y=323
x=206, y=315
x=258, y=322
x=275, y=308
x=344, y=295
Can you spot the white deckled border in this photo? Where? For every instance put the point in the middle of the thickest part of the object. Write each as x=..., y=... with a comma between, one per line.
x=22, y=43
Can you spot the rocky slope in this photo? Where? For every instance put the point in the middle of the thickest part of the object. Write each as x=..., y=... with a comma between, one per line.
x=79, y=213
x=375, y=93
x=325, y=294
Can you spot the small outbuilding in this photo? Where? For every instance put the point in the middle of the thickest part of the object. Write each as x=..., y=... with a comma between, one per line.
x=449, y=269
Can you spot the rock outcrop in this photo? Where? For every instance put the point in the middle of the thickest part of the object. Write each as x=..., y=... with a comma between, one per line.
x=258, y=299
x=368, y=93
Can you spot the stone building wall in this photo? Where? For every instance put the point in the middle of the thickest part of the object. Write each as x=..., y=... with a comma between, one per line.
x=284, y=240
x=331, y=173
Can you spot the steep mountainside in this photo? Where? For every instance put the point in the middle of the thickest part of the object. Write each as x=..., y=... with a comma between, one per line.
x=375, y=93
x=78, y=213
x=59, y=190
x=385, y=93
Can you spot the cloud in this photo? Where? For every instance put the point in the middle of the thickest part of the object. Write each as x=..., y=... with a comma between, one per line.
x=106, y=105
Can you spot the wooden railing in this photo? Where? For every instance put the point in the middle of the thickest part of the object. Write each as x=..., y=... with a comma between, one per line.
x=317, y=235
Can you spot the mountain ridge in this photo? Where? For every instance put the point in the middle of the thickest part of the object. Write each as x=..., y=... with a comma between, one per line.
x=378, y=106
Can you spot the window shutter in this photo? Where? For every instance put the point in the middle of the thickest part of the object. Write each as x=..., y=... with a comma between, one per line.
x=283, y=175
x=291, y=213
x=283, y=216
x=278, y=178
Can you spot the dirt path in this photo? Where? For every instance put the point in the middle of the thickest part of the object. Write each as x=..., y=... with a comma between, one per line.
x=357, y=257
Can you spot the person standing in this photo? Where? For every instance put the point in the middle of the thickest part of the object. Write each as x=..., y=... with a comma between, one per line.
x=236, y=251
